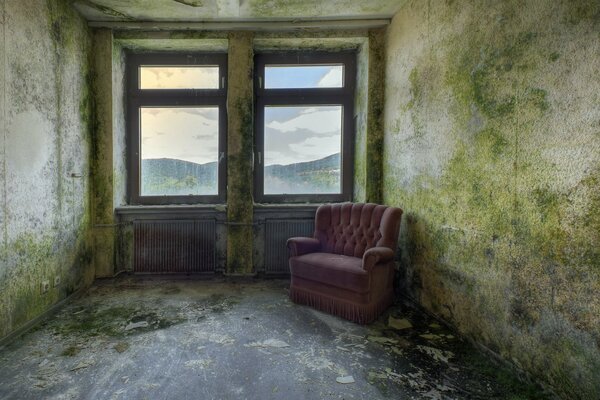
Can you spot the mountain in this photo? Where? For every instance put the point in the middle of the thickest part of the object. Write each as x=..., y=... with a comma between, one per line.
x=319, y=176
x=167, y=176
x=327, y=163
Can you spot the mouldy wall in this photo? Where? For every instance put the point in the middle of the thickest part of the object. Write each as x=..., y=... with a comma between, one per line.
x=492, y=148
x=45, y=121
x=361, y=102
x=239, y=153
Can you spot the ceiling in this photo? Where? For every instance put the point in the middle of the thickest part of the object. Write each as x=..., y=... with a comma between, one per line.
x=234, y=10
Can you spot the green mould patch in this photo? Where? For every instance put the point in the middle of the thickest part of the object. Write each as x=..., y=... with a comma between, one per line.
x=191, y=3
x=108, y=11
x=415, y=92
x=480, y=74
x=582, y=10
x=431, y=349
x=33, y=259
x=590, y=235
x=67, y=29
x=240, y=166
x=240, y=153
x=490, y=240
x=239, y=249
x=124, y=256
x=218, y=303
x=273, y=8
x=416, y=100
x=117, y=321
x=70, y=351
x=240, y=135
x=374, y=143
x=133, y=318
x=513, y=387
x=86, y=102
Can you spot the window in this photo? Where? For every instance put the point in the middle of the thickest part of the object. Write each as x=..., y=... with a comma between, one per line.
x=177, y=128
x=304, y=127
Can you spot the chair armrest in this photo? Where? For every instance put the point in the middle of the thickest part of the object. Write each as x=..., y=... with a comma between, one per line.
x=302, y=245
x=376, y=255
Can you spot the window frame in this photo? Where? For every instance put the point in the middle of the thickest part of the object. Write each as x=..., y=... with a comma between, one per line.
x=343, y=96
x=173, y=98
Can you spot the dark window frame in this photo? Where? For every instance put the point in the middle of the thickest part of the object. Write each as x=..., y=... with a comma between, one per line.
x=137, y=98
x=343, y=96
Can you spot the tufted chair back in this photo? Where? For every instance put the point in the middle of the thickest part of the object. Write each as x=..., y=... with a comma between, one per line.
x=353, y=228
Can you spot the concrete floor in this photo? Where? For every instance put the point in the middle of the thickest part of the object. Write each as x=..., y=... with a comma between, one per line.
x=134, y=338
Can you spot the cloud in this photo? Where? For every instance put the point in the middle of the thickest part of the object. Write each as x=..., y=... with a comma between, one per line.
x=179, y=133
x=211, y=112
x=299, y=146
x=314, y=148
x=207, y=136
x=299, y=134
x=152, y=111
x=333, y=78
x=318, y=120
x=179, y=77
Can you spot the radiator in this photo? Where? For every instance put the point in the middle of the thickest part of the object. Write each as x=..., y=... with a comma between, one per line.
x=277, y=232
x=167, y=247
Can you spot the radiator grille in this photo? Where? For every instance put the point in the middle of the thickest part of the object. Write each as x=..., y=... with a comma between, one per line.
x=277, y=232
x=183, y=246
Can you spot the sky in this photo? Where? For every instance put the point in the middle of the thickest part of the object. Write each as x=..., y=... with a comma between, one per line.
x=277, y=77
x=205, y=77
x=189, y=133
x=292, y=134
x=299, y=134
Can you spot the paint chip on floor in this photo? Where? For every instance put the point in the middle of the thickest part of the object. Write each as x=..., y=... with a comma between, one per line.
x=399, y=324
x=136, y=325
x=381, y=340
x=269, y=343
x=436, y=354
x=345, y=379
x=430, y=336
x=121, y=347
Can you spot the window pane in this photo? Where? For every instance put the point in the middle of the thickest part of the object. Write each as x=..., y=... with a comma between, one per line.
x=305, y=76
x=179, y=151
x=179, y=77
x=302, y=150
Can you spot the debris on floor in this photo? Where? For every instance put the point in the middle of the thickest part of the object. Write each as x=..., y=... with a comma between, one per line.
x=345, y=379
x=436, y=354
x=269, y=343
x=135, y=325
x=152, y=338
x=399, y=323
x=121, y=347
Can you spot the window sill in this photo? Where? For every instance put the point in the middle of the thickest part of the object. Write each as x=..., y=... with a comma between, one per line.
x=175, y=211
x=133, y=208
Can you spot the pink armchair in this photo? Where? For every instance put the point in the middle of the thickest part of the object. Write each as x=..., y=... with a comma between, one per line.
x=347, y=267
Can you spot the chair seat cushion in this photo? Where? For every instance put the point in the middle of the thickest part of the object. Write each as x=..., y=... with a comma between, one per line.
x=333, y=269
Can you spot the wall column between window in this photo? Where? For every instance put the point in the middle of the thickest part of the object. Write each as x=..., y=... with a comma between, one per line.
x=102, y=204
x=376, y=96
x=240, y=142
